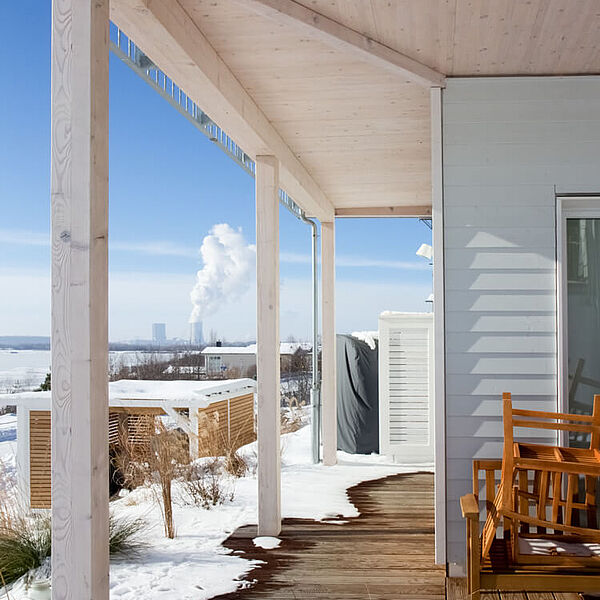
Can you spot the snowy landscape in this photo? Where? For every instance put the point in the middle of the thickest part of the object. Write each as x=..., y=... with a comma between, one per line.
x=194, y=565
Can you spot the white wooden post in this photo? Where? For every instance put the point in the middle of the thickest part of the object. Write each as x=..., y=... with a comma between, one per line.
x=23, y=454
x=328, y=385
x=79, y=186
x=267, y=337
x=194, y=435
x=439, y=315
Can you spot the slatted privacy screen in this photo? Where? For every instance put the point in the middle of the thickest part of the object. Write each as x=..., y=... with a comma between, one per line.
x=226, y=425
x=222, y=426
x=39, y=457
x=405, y=386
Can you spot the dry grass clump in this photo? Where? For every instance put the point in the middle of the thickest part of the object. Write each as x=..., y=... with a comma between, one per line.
x=26, y=539
x=291, y=420
x=214, y=441
x=125, y=536
x=207, y=484
x=25, y=542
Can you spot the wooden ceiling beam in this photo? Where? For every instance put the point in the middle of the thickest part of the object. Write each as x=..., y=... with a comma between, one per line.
x=343, y=37
x=170, y=37
x=423, y=212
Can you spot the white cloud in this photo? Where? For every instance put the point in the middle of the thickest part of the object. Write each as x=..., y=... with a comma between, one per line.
x=24, y=302
x=342, y=260
x=139, y=299
x=166, y=248
x=155, y=248
x=23, y=237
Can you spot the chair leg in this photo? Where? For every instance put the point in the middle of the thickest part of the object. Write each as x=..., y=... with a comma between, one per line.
x=590, y=501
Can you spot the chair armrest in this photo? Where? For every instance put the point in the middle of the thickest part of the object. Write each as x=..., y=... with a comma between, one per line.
x=469, y=507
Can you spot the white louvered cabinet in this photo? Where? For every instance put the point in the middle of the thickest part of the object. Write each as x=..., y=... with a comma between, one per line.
x=406, y=387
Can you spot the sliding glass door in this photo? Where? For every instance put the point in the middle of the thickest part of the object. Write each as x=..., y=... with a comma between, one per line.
x=580, y=267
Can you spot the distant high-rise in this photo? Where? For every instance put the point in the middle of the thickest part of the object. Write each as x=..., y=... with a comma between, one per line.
x=196, y=338
x=159, y=333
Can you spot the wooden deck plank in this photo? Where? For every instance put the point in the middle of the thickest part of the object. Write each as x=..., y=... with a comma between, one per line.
x=386, y=553
x=456, y=589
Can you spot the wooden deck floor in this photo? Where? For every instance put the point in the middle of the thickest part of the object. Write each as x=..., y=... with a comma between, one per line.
x=386, y=553
x=457, y=590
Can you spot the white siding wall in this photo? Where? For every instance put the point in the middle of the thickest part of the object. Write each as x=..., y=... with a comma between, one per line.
x=509, y=143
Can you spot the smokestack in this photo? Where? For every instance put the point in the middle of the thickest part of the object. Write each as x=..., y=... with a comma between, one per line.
x=196, y=337
x=227, y=272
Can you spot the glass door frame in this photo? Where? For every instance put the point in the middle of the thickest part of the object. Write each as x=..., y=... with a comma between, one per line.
x=567, y=207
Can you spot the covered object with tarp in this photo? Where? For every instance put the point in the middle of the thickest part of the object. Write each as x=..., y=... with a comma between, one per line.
x=357, y=396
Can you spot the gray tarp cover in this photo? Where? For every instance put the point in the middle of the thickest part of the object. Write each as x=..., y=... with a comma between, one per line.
x=357, y=396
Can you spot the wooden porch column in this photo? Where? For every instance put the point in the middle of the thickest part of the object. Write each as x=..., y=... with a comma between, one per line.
x=328, y=385
x=267, y=338
x=79, y=188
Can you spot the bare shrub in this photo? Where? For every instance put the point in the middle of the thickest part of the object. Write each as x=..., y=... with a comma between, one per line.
x=168, y=454
x=206, y=484
x=156, y=463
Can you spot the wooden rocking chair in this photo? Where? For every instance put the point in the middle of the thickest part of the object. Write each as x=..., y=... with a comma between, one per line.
x=561, y=555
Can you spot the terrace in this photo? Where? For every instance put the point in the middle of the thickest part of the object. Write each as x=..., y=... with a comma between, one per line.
x=353, y=109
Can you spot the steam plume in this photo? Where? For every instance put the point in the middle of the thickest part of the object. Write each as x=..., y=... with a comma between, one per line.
x=227, y=272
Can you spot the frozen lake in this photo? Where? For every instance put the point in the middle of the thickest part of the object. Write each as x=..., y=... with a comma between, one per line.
x=22, y=370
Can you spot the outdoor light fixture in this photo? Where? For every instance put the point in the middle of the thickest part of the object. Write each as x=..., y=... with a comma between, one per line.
x=426, y=251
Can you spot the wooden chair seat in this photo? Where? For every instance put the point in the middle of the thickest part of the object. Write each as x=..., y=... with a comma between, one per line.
x=532, y=496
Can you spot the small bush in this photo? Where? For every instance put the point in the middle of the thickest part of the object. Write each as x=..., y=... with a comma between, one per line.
x=206, y=484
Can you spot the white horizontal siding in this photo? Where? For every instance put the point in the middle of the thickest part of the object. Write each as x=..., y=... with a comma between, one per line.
x=509, y=143
x=493, y=236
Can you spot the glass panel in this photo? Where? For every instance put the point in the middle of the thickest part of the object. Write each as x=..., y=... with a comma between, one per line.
x=583, y=304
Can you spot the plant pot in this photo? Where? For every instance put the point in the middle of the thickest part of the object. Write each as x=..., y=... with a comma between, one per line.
x=39, y=590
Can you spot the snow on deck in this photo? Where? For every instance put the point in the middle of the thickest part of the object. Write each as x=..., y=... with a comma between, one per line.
x=195, y=565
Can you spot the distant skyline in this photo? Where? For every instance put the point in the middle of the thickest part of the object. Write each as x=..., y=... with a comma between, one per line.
x=168, y=187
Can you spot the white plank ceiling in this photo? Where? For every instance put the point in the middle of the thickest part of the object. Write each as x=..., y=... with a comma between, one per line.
x=362, y=131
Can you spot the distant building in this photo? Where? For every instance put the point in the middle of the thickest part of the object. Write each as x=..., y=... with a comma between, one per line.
x=196, y=337
x=221, y=359
x=159, y=333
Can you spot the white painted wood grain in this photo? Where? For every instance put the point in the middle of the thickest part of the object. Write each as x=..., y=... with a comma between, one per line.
x=267, y=340
x=439, y=332
x=332, y=32
x=79, y=184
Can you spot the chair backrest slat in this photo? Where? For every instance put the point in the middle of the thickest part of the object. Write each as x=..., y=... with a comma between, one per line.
x=556, y=426
x=589, y=424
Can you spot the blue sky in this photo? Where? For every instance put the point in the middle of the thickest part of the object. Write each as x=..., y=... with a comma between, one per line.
x=168, y=186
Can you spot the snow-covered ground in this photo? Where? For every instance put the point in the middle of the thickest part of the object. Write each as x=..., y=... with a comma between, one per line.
x=194, y=565
x=8, y=450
